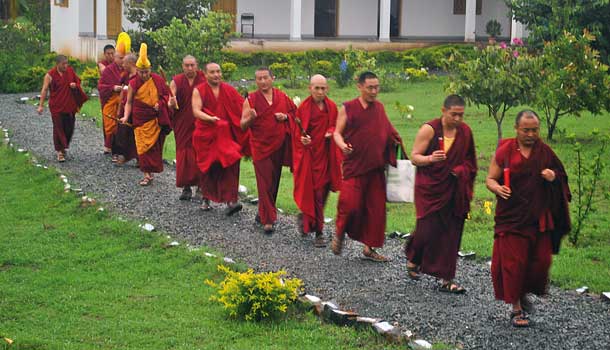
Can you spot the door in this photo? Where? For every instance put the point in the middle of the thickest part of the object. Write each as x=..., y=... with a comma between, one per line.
x=114, y=16
x=228, y=6
x=395, y=18
x=325, y=21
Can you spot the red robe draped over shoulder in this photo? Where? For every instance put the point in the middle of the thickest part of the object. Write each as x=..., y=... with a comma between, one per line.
x=361, y=208
x=64, y=99
x=183, y=124
x=267, y=134
x=110, y=100
x=318, y=163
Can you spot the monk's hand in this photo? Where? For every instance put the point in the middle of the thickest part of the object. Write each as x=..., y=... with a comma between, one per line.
x=213, y=119
x=123, y=120
x=253, y=113
x=346, y=148
x=117, y=88
x=328, y=135
x=172, y=103
x=40, y=109
x=548, y=175
x=306, y=140
x=281, y=117
x=72, y=85
x=437, y=156
x=156, y=106
x=503, y=191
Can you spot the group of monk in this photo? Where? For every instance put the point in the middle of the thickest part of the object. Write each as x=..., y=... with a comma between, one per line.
x=344, y=149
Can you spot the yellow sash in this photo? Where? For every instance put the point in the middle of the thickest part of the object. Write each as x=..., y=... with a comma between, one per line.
x=448, y=143
x=146, y=135
x=111, y=109
x=147, y=93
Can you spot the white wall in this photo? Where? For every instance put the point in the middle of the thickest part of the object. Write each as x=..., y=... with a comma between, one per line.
x=85, y=18
x=308, y=15
x=271, y=17
x=64, y=29
x=358, y=18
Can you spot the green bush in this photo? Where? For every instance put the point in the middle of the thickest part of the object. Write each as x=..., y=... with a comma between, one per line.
x=324, y=67
x=387, y=57
x=281, y=70
x=415, y=75
x=410, y=61
x=30, y=79
x=89, y=78
x=255, y=296
x=493, y=28
x=228, y=69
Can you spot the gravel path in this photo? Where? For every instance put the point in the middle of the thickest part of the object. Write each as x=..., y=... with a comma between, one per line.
x=564, y=320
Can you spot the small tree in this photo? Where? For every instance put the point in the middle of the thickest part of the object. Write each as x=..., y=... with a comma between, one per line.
x=572, y=80
x=499, y=78
x=154, y=14
x=202, y=37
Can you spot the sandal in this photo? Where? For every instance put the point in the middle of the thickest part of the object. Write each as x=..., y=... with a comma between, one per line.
x=337, y=244
x=61, y=157
x=115, y=158
x=233, y=208
x=527, y=305
x=268, y=229
x=374, y=256
x=205, y=205
x=146, y=181
x=413, y=272
x=300, y=225
x=519, y=319
x=319, y=241
x=452, y=287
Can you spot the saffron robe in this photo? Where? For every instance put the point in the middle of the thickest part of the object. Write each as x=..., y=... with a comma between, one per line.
x=361, y=208
x=217, y=144
x=530, y=224
x=150, y=126
x=316, y=167
x=270, y=144
x=110, y=100
x=64, y=102
x=443, y=192
x=183, y=124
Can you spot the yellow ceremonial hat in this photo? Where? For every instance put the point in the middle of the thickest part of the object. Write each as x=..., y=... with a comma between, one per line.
x=143, y=62
x=123, y=44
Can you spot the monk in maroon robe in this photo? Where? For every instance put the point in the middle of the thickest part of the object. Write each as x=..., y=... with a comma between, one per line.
x=107, y=60
x=316, y=158
x=367, y=139
x=218, y=139
x=183, y=124
x=66, y=98
x=268, y=113
x=110, y=87
x=147, y=104
x=532, y=215
x=444, y=154
x=124, y=142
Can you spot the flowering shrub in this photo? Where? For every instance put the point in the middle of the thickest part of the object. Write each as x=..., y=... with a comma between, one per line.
x=324, y=67
x=255, y=296
x=228, y=69
x=89, y=78
x=414, y=75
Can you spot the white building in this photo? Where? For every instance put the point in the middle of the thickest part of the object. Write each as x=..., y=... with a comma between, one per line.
x=82, y=27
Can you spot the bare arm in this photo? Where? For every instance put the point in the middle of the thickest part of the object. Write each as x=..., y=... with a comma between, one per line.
x=101, y=67
x=128, y=105
x=422, y=141
x=197, y=104
x=494, y=174
x=248, y=115
x=43, y=93
x=338, y=134
x=172, y=102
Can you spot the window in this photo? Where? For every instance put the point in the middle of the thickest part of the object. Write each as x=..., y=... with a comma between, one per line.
x=459, y=7
x=62, y=3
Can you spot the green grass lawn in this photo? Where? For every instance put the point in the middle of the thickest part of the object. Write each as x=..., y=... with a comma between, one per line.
x=592, y=260
x=76, y=278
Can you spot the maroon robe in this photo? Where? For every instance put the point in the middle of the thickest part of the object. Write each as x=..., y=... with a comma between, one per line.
x=123, y=142
x=270, y=146
x=183, y=124
x=64, y=102
x=443, y=192
x=316, y=167
x=152, y=160
x=217, y=144
x=530, y=224
x=113, y=75
x=361, y=208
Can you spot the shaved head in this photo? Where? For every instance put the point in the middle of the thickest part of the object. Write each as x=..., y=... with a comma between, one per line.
x=317, y=79
x=188, y=58
x=189, y=66
x=130, y=58
x=318, y=88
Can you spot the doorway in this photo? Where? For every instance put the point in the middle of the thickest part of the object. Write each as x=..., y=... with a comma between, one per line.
x=325, y=18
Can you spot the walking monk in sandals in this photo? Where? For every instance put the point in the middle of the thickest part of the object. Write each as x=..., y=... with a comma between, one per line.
x=147, y=103
x=532, y=215
x=446, y=163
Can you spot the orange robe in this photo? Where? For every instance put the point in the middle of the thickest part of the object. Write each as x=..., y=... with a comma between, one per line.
x=110, y=100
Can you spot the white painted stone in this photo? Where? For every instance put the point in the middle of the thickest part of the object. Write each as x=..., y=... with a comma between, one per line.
x=174, y=244
x=422, y=344
x=39, y=165
x=582, y=290
x=328, y=220
x=21, y=150
x=148, y=227
x=279, y=210
x=209, y=255
x=330, y=305
x=65, y=181
x=228, y=260
x=467, y=254
x=67, y=187
x=313, y=299
x=368, y=320
x=100, y=209
x=383, y=327
x=62, y=176
x=242, y=189
x=46, y=167
x=606, y=296
x=254, y=200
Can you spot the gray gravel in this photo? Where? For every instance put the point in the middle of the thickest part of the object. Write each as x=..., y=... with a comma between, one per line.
x=564, y=320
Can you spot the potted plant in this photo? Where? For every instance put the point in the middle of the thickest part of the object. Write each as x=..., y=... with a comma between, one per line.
x=493, y=30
